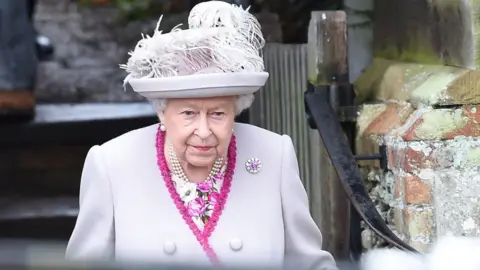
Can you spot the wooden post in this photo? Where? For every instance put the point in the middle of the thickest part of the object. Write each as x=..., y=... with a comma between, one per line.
x=327, y=65
x=18, y=62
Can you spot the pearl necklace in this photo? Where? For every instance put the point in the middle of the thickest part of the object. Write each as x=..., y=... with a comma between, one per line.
x=178, y=170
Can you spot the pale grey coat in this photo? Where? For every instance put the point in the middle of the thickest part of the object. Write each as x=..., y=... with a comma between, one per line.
x=126, y=212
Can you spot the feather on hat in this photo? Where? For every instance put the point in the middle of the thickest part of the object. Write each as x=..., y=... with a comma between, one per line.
x=218, y=55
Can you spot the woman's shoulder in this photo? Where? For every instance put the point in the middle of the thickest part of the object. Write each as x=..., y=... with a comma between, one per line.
x=253, y=137
x=130, y=152
x=250, y=131
x=133, y=139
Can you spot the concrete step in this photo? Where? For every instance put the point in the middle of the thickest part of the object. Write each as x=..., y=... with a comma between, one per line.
x=84, y=123
x=38, y=218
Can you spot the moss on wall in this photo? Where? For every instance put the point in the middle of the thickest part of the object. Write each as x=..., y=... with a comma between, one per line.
x=418, y=83
x=428, y=31
x=436, y=123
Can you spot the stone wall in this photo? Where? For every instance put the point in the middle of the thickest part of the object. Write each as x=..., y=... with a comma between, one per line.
x=433, y=152
x=434, y=159
x=91, y=41
x=426, y=113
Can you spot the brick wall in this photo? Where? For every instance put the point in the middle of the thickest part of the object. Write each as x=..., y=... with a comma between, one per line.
x=420, y=98
x=434, y=159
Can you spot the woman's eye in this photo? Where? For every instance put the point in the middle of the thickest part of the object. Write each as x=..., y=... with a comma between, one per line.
x=189, y=113
x=218, y=114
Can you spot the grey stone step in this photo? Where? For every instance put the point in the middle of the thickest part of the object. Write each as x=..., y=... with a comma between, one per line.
x=78, y=123
x=21, y=208
x=38, y=218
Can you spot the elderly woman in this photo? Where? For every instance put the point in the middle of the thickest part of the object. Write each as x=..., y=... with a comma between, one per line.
x=197, y=187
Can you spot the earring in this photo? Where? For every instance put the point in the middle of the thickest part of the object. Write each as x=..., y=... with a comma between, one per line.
x=163, y=127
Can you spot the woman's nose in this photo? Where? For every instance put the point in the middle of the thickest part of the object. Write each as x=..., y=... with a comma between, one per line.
x=203, y=129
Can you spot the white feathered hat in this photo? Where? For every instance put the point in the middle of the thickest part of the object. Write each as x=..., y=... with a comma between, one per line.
x=219, y=55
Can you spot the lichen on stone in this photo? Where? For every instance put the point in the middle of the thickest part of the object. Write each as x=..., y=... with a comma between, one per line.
x=473, y=156
x=436, y=123
x=433, y=88
x=379, y=185
x=368, y=114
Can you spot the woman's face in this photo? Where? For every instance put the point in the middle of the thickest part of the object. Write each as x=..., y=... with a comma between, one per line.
x=199, y=129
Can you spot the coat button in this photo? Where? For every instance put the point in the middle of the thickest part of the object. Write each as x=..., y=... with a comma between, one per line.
x=236, y=244
x=169, y=247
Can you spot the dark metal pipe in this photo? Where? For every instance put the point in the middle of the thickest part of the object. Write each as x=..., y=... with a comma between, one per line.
x=368, y=157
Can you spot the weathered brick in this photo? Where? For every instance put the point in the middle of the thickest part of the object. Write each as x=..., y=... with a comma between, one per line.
x=398, y=187
x=417, y=159
x=411, y=190
x=398, y=220
x=445, y=124
x=418, y=222
x=379, y=119
x=412, y=156
x=394, y=154
x=416, y=190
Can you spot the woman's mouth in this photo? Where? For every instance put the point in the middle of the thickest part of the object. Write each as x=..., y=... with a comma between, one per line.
x=203, y=148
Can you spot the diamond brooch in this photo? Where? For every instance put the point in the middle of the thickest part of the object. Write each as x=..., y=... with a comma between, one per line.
x=253, y=165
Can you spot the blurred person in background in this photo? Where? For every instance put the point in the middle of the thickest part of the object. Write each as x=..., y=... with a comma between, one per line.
x=197, y=187
x=20, y=49
x=43, y=45
x=18, y=61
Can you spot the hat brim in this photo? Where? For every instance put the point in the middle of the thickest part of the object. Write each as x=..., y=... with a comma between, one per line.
x=200, y=85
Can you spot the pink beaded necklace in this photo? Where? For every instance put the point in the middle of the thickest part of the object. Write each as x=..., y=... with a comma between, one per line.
x=202, y=236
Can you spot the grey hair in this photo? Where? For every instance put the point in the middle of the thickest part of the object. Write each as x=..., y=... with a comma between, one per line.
x=242, y=103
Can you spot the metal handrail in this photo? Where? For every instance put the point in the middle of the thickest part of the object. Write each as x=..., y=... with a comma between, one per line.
x=322, y=116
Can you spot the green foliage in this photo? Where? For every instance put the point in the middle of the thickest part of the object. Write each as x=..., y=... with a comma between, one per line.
x=138, y=9
x=130, y=10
